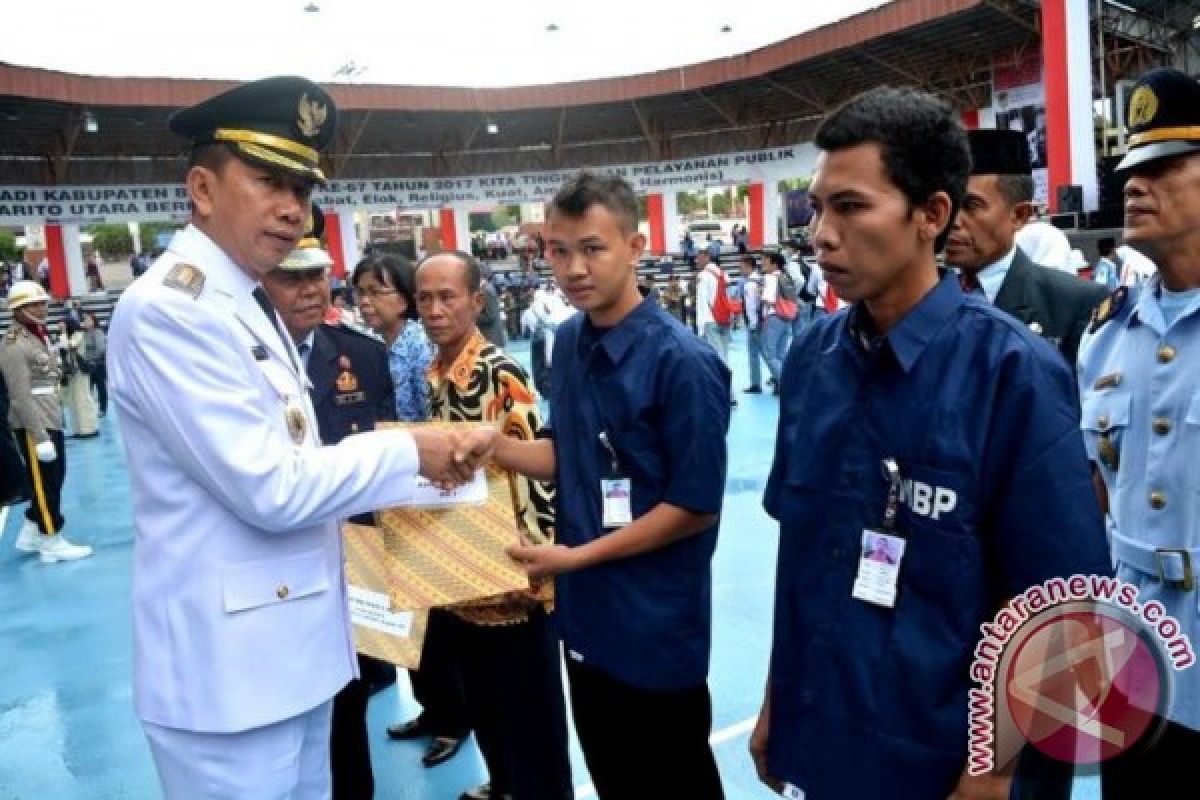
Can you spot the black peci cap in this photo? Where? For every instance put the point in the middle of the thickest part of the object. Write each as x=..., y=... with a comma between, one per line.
x=281, y=123
x=999, y=152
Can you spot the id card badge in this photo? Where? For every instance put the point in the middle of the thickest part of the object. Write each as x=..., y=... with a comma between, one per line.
x=882, y=550
x=617, y=510
x=878, y=568
x=615, y=491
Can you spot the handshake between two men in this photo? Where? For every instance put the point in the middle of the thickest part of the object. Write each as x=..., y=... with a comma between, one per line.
x=448, y=457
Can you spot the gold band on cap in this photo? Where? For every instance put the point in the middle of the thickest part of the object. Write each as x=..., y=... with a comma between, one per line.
x=305, y=244
x=279, y=160
x=1186, y=132
x=267, y=140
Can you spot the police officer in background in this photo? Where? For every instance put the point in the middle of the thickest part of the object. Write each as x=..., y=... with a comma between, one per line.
x=1139, y=379
x=351, y=391
x=924, y=416
x=31, y=375
x=982, y=244
x=241, y=619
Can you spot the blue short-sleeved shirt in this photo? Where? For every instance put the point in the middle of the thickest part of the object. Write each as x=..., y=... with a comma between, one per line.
x=1139, y=381
x=869, y=701
x=661, y=395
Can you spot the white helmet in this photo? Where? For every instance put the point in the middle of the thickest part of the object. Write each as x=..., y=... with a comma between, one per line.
x=25, y=293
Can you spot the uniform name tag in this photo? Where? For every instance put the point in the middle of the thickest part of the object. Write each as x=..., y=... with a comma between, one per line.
x=618, y=511
x=878, y=568
x=349, y=398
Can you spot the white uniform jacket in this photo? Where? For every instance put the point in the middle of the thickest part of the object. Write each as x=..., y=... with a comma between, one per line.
x=239, y=598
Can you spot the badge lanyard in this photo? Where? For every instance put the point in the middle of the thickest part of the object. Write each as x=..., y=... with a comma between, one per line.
x=882, y=549
x=615, y=491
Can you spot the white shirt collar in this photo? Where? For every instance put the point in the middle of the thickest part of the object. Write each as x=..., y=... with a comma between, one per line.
x=991, y=277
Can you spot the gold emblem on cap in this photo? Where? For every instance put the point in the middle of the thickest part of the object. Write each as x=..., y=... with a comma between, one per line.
x=310, y=115
x=1142, y=106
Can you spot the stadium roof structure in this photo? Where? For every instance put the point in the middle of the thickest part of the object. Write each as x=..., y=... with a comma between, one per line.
x=775, y=95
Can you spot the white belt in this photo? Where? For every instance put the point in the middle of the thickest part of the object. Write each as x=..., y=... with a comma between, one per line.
x=43, y=390
x=1171, y=565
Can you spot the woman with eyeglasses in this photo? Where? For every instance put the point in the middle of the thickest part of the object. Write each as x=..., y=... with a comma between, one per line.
x=383, y=289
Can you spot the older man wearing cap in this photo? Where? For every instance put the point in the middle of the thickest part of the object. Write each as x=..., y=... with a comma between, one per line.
x=350, y=389
x=1139, y=378
x=31, y=373
x=241, y=623
x=982, y=244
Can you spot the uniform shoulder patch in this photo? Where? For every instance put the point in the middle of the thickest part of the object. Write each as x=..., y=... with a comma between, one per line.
x=185, y=278
x=1109, y=307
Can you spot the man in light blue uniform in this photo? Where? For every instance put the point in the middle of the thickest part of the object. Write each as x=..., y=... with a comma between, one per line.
x=1139, y=377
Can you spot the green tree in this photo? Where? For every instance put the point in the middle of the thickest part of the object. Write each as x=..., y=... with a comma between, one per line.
x=481, y=221
x=111, y=240
x=690, y=202
x=8, y=247
x=148, y=232
x=721, y=205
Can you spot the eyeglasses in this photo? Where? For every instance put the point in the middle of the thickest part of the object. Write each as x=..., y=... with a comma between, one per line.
x=374, y=293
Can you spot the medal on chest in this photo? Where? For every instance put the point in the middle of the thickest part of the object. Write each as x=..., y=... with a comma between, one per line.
x=297, y=422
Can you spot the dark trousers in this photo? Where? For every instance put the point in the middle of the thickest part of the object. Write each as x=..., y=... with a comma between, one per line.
x=45, y=481
x=514, y=694
x=1041, y=777
x=437, y=685
x=1158, y=768
x=99, y=380
x=349, y=748
x=641, y=743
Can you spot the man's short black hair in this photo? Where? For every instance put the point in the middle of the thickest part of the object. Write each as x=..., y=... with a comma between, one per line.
x=749, y=259
x=1015, y=188
x=778, y=259
x=923, y=145
x=472, y=269
x=1106, y=245
x=585, y=189
x=211, y=155
x=393, y=272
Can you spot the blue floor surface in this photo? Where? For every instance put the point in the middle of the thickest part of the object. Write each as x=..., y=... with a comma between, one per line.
x=67, y=729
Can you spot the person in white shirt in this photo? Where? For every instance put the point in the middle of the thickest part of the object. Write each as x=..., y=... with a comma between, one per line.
x=707, y=283
x=751, y=291
x=776, y=331
x=1135, y=267
x=1045, y=245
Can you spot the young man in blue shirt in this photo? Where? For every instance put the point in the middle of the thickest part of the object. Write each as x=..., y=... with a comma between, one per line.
x=639, y=408
x=961, y=404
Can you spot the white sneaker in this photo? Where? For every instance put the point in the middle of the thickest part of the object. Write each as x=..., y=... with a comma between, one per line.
x=57, y=548
x=27, y=538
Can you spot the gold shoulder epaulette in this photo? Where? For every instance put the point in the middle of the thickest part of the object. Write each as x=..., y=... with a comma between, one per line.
x=185, y=278
x=1109, y=307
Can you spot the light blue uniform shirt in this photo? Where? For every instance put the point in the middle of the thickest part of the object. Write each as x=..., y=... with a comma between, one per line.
x=1139, y=381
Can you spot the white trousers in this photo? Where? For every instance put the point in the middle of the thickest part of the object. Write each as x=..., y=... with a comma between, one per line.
x=288, y=760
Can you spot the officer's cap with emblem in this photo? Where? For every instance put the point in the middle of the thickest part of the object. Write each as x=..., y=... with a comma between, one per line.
x=279, y=123
x=309, y=255
x=999, y=152
x=25, y=293
x=1163, y=117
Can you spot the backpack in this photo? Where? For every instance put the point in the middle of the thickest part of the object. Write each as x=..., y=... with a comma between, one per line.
x=785, y=299
x=721, y=310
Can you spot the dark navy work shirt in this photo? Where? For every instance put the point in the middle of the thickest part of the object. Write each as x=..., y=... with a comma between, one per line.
x=661, y=395
x=869, y=701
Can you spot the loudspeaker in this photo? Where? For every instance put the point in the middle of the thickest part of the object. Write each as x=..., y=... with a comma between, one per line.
x=1065, y=222
x=1070, y=199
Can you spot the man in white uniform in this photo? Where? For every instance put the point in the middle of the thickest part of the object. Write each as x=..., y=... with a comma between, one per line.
x=241, y=626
